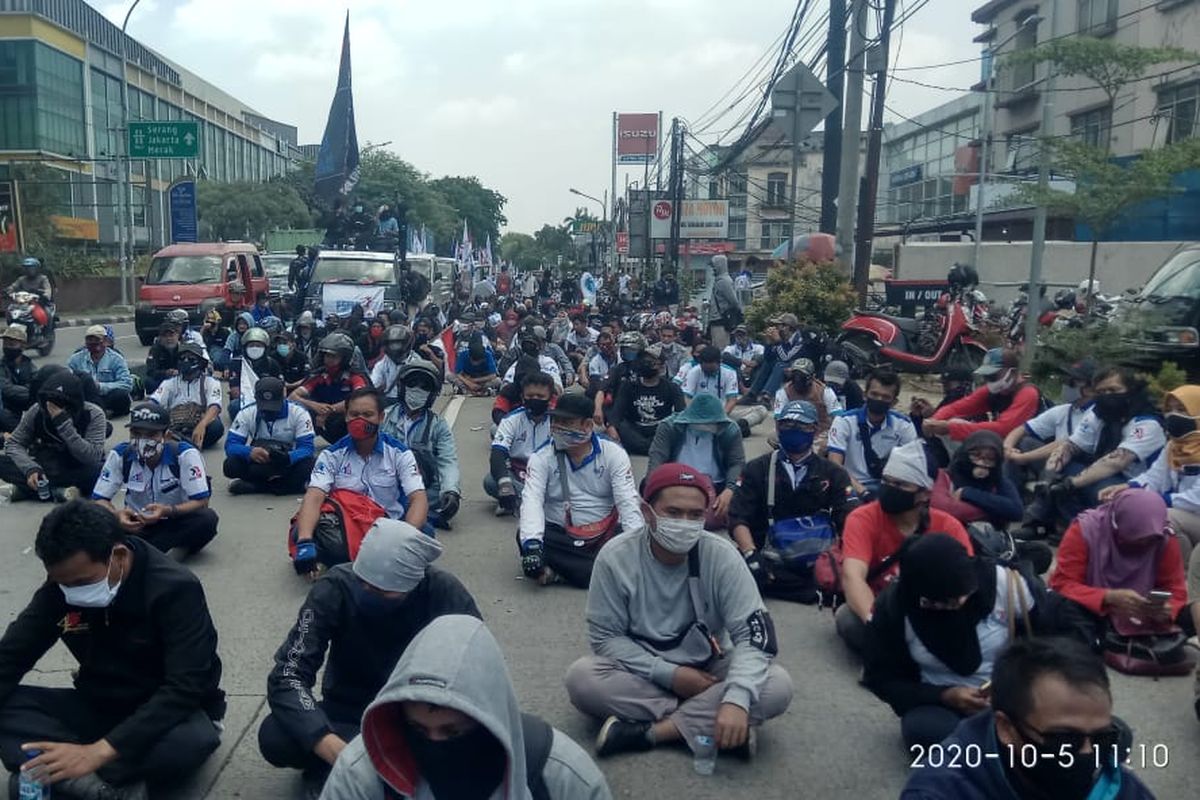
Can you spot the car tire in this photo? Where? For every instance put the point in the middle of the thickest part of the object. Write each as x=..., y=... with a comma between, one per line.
x=145, y=338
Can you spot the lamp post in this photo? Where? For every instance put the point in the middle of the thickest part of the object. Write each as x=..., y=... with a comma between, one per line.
x=986, y=131
x=126, y=169
x=1041, y=212
x=603, y=210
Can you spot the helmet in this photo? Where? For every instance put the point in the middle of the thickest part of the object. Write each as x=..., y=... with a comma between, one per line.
x=398, y=335
x=179, y=316
x=417, y=372
x=256, y=336
x=1064, y=299
x=271, y=325
x=631, y=340
x=305, y=318
x=213, y=317
x=962, y=276
x=338, y=343
x=192, y=349
x=30, y=263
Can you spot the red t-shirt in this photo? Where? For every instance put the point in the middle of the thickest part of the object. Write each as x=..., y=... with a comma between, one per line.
x=869, y=535
x=324, y=388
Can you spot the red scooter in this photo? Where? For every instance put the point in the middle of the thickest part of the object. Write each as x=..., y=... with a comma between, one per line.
x=942, y=340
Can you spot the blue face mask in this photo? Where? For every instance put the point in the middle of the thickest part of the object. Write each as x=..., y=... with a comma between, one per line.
x=284, y=350
x=795, y=441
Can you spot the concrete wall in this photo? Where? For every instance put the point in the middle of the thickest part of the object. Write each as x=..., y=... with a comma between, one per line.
x=1004, y=267
x=86, y=294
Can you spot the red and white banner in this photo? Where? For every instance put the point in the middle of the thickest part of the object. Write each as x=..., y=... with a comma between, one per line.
x=637, y=138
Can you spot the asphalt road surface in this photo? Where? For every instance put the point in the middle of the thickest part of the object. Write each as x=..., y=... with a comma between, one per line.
x=836, y=741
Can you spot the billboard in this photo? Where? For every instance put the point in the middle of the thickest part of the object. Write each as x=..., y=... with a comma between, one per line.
x=637, y=138
x=699, y=219
x=182, y=200
x=10, y=224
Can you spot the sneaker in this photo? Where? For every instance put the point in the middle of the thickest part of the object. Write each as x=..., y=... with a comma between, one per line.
x=622, y=736
x=501, y=511
x=239, y=486
x=70, y=493
x=749, y=749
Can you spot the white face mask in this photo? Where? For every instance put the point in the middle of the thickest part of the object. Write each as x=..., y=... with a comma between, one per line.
x=255, y=352
x=677, y=536
x=1002, y=385
x=91, y=595
x=146, y=449
x=415, y=399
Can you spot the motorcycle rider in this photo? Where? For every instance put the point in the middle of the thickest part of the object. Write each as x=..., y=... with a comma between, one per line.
x=34, y=281
x=412, y=422
x=16, y=377
x=398, y=351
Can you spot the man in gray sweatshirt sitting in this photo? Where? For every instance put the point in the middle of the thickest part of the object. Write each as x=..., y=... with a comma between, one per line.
x=682, y=643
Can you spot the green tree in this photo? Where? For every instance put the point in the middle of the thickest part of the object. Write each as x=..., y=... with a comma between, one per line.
x=521, y=249
x=481, y=207
x=817, y=293
x=553, y=242
x=247, y=210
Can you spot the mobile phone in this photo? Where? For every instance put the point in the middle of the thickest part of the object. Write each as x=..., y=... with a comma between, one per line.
x=986, y=688
x=1159, y=598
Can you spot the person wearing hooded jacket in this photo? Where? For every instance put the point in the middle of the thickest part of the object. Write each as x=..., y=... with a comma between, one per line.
x=726, y=307
x=450, y=702
x=233, y=342
x=357, y=621
x=59, y=438
x=974, y=488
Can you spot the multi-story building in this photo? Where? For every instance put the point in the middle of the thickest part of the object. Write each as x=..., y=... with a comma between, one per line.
x=61, y=77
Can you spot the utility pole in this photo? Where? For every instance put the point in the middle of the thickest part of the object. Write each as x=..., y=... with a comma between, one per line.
x=851, y=132
x=866, y=205
x=832, y=147
x=676, y=188
x=1040, y=213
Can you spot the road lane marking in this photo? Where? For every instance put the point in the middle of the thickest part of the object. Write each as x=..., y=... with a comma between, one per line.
x=452, y=409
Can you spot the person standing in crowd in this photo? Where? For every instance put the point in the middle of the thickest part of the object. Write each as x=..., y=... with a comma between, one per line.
x=327, y=392
x=521, y=432
x=875, y=533
x=57, y=447
x=1007, y=400
x=726, y=308
x=356, y=622
x=193, y=399
x=666, y=291
x=938, y=630
x=297, y=279
x=167, y=489
x=682, y=645
x=849, y=394
x=16, y=378
x=643, y=405
x=450, y=703
x=708, y=441
x=580, y=487
x=162, y=361
x=414, y=423
x=270, y=444
x=108, y=368
x=749, y=354
x=364, y=462
x=1027, y=448
x=713, y=377
x=122, y=609
x=805, y=486
x=1050, y=698
x=862, y=440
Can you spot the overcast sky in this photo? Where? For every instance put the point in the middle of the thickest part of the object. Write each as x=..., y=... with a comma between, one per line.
x=517, y=92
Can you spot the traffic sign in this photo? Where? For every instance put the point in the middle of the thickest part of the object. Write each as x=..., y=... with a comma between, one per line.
x=800, y=92
x=177, y=139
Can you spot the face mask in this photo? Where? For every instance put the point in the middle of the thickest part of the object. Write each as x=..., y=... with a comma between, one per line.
x=441, y=763
x=1054, y=779
x=1070, y=393
x=529, y=348
x=537, y=406
x=648, y=370
x=1112, y=407
x=12, y=353
x=877, y=408
x=373, y=604
x=190, y=370
x=1002, y=385
x=677, y=536
x=567, y=438
x=1179, y=425
x=628, y=355
x=802, y=385
x=91, y=595
x=896, y=501
x=255, y=352
x=360, y=429
x=146, y=449
x=422, y=339
x=794, y=441
x=415, y=399
x=284, y=350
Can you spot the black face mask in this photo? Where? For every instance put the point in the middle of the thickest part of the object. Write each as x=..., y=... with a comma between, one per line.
x=896, y=501
x=466, y=767
x=537, y=406
x=802, y=385
x=1051, y=778
x=877, y=408
x=1112, y=407
x=529, y=348
x=647, y=370
x=12, y=353
x=1176, y=425
x=190, y=370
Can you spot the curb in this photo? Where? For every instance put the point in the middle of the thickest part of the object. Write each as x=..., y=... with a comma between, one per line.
x=79, y=322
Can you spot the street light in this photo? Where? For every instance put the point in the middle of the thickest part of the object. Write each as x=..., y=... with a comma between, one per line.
x=986, y=125
x=603, y=211
x=126, y=182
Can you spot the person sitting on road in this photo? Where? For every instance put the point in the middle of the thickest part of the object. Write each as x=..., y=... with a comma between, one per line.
x=787, y=341
x=16, y=378
x=682, y=645
x=356, y=622
x=702, y=437
x=366, y=463
x=674, y=353
x=581, y=338
x=974, y=488
x=307, y=336
x=193, y=399
x=712, y=377
x=1050, y=698
x=532, y=342
x=270, y=445
x=875, y=422
x=848, y=393
x=475, y=371
x=937, y=631
x=167, y=489
x=594, y=370
x=290, y=358
x=875, y=533
x=262, y=307
x=447, y=724
x=1027, y=448
x=1117, y=441
x=1112, y=563
x=521, y=432
x=1008, y=400
x=59, y=441
x=397, y=351
x=146, y=702
x=215, y=334
x=414, y=423
x=257, y=362
x=162, y=361
x=326, y=393
x=802, y=384
x=749, y=354
x=806, y=485
x=630, y=347
x=957, y=383
x=579, y=488
x=643, y=405
x=108, y=368
x=427, y=344
x=233, y=343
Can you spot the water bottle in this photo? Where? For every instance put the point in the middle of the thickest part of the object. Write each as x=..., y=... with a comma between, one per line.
x=31, y=786
x=43, y=489
x=704, y=758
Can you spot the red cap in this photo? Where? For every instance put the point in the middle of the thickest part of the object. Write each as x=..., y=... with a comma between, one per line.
x=676, y=474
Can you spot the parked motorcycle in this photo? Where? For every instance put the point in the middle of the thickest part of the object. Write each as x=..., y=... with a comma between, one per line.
x=26, y=309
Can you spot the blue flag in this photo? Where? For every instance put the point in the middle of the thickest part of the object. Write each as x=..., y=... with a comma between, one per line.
x=337, y=161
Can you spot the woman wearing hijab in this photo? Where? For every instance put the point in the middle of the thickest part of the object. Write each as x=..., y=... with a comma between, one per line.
x=974, y=487
x=936, y=633
x=1175, y=475
x=1113, y=557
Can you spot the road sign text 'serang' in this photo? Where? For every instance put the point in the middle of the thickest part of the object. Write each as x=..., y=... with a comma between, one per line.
x=178, y=139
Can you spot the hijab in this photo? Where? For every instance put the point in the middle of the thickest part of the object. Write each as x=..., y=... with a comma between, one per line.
x=937, y=567
x=1124, y=539
x=1185, y=450
x=961, y=469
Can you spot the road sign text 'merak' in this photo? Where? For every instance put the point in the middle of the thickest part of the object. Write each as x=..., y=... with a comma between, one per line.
x=164, y=139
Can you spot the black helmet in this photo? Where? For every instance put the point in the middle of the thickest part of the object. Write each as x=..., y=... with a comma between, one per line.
x=962, y=276
x=1064, y=299
x=339, y=344
x=30, y=263
x=398, y=340
x=419, y=375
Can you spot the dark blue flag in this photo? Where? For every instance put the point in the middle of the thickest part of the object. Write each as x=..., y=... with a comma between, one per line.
x=337, y=161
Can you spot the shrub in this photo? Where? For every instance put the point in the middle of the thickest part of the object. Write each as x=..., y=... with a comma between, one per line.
x=817, y=293
x=1169, y=377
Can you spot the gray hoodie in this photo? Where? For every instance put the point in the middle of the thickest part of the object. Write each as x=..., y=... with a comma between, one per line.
x=454, y=662
x=724, y=295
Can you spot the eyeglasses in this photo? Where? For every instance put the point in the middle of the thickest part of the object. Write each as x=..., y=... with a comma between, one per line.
x=1104, y=740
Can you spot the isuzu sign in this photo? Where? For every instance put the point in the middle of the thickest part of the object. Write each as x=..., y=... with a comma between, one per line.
x=637, y=138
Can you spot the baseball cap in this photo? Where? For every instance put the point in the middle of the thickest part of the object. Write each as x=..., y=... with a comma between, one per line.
x=268, y=395
x=1082, y=370
x=573, y=406
x=149, y=416
x=786, y=319
x=95, y=330
x=741, y=329
x=798, y=411
x=804, y=365
x=837, y=372
x=167, y=326
x=676, y=474
x=996, y=361
x=16, y=333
